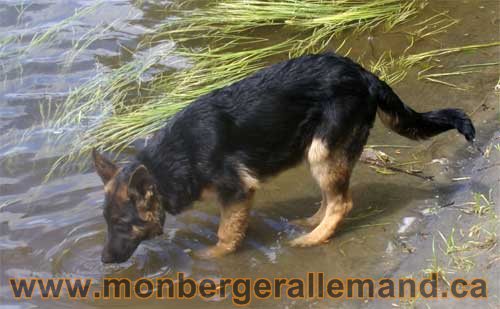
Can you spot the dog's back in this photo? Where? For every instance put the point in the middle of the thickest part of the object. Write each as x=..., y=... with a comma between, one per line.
x=266, y=122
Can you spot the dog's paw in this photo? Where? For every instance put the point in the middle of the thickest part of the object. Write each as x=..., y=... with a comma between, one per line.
x=307, y=241
x=212, y=252
x=305, y=222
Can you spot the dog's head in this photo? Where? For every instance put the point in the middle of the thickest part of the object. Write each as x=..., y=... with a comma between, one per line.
x=132, y=208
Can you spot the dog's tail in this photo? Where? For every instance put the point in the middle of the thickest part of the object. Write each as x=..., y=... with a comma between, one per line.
x=405, y=121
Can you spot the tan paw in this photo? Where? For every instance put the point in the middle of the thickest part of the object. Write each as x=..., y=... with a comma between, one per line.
x=307, y=222
x=212, y=252
x=307, y=241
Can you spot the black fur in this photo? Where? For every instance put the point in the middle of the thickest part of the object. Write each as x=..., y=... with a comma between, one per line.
x=266, y=121
x=419, y=125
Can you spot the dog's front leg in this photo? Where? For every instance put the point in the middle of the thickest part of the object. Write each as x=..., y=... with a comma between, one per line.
x=232, y=228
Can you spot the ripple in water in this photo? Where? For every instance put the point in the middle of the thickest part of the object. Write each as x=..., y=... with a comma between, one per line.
x=80, y=256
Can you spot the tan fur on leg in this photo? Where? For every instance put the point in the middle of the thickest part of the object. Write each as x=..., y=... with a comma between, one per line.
x=248, y=178
x=332, y=172
x=232, y=228
x=336, y=210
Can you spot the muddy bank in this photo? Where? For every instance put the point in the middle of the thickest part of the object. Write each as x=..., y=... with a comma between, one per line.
x=458, y=238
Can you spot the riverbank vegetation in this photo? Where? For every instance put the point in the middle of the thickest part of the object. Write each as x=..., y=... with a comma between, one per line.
x=200, y=49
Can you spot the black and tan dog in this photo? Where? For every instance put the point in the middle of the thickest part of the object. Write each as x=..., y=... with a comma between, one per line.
x=318, y=107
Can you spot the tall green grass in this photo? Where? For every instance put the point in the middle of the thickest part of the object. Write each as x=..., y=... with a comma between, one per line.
x=219, y=44
x=44, y=38
x=238, y=37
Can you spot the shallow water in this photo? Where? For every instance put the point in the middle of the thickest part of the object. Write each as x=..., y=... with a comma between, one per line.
x=56, y=229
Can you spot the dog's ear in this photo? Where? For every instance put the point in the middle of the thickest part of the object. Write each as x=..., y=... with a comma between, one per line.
x=141, y=191
x=141, y=183
x=104, y=167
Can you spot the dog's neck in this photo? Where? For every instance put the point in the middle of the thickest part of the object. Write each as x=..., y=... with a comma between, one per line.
x=177, y=190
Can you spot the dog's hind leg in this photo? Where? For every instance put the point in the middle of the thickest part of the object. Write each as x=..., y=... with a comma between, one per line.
x=332, y=154
x=316, y=218
x=332, y=170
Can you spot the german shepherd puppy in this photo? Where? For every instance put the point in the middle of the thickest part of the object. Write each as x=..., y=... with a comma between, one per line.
x=317, y=107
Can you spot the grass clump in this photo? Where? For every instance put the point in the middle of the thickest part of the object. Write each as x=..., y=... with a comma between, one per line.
x=435, y=266
x=118, y=107
x=45, y=38
x=461, y=256
x=169, y=69
x=312, y=23
x=483, y=205
x=394, y=70
x=455, y=252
